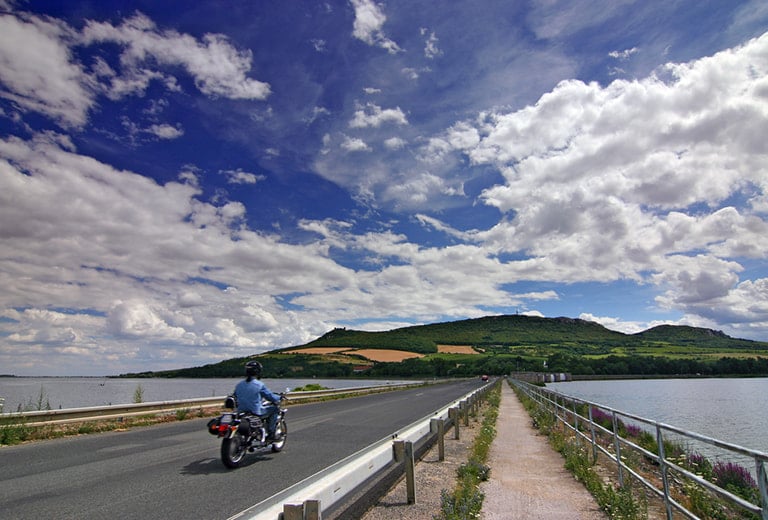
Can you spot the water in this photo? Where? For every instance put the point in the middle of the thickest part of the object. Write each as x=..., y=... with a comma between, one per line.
x=75, y=392
x=731, y=410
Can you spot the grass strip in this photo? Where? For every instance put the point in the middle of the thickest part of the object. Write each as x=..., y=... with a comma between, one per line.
x=466, y=501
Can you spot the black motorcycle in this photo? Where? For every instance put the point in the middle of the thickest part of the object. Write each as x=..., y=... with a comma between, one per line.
x=242, y=433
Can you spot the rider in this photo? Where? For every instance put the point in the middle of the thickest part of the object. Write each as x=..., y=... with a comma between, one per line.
x=250, y=393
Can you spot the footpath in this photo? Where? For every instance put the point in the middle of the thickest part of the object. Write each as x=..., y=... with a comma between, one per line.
x=528, y=478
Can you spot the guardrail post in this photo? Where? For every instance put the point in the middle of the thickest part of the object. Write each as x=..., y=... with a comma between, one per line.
x=293, y=512
x=465, y=406
x=398, y=451
x=312, y=510
x=453, y=415
x=438, y=425
x=410, y=475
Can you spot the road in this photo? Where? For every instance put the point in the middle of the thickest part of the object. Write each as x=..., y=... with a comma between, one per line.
x=173, y=470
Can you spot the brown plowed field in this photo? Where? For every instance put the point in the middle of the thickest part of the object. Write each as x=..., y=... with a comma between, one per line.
x=456, y=349
x=375, y=354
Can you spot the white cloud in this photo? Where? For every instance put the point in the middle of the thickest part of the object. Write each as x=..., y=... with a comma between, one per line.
x=38, y=72
x=431, y=50
x=239, y=176
x=166, y=131
x=130, y=258
x=369, y=21
x=217, y=67
x=623, y=55
x=372, y=115
x=354, y=144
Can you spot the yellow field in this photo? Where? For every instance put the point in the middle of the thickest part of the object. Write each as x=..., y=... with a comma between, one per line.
x=375, y=354
x=456, y=349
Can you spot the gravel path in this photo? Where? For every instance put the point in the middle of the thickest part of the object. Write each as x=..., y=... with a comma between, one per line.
x=527, y=478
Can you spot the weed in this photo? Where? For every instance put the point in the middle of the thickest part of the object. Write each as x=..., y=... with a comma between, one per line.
x=736, y=479
x=138, y=394
x=466, y=501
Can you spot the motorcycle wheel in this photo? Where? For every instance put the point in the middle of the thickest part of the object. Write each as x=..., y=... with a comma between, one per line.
x=233, y=450
x=281, y=431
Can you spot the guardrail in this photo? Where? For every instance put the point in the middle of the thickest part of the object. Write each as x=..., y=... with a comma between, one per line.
x=95, y=413
x=673, y=467
x=346, y=489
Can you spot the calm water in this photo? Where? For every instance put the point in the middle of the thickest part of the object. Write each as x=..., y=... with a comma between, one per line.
x=732, y=410
x=76, y=392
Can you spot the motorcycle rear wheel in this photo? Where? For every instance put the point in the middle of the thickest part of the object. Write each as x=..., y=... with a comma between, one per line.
x=281, y=432
x=233, y=450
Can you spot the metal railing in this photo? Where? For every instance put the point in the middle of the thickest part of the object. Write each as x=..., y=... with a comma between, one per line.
x=578, y=416
x=95, y=413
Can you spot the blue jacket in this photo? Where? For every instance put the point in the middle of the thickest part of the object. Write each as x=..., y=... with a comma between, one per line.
x=250, y=394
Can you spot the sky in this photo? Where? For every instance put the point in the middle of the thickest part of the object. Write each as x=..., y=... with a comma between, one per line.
x=185, y=182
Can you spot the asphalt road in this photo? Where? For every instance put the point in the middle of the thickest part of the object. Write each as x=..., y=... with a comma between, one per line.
x=173, y=470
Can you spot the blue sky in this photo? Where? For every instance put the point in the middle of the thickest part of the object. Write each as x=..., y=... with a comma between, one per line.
x=186, y=182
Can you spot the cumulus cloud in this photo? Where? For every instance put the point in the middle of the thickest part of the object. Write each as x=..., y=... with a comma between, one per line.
x=217, y=67
x=372, y=115
x=38, y=71
x=369, y=20
x=129, y=258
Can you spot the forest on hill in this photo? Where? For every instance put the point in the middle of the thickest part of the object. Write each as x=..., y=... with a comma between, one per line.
x=504, y=344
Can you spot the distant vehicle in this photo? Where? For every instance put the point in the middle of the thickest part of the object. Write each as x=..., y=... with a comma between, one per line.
x=484, y=377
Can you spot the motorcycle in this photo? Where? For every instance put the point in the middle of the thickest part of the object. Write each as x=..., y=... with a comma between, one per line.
x=242, y=433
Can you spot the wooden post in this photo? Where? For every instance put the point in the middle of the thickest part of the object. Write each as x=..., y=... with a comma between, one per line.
x=410, y=475
x=438, y=425
x=398, y=450
x=453, y=414
x=466, y=412
x=293, y=512
x=312, y=510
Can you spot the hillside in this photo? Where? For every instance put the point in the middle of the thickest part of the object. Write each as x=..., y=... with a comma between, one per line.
x=500, y=344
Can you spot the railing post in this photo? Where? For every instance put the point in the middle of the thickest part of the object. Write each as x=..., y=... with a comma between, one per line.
x=293, y=512
x=762, y=484
x=617, y=447
x=398, y=451
x=438, y=425
x=312, y=510
x=453, y=414
x=410, y=475
x=594, y=437
x=664, y=470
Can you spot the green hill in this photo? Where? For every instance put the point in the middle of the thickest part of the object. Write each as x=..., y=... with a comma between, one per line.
x=509, y=343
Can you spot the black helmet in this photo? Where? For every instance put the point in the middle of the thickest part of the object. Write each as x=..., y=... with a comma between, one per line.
x=253, y=369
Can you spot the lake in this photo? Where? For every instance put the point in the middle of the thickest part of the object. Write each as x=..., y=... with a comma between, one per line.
x=76, y=392
x=734, y=410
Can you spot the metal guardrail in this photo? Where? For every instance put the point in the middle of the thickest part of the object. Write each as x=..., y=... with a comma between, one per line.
x=324, y=491
x=566, y=410
x=95, y=413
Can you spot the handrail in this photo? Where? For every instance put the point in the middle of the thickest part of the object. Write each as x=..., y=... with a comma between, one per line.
x=93, y=413
x=551, y=400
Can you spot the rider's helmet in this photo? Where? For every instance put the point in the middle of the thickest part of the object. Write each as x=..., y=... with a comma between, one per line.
x=253, y=369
